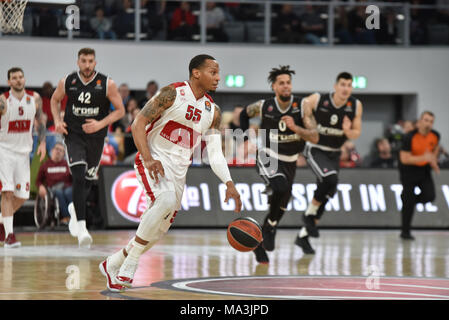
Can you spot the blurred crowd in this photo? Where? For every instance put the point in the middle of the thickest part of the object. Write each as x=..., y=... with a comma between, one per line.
x=244, y=22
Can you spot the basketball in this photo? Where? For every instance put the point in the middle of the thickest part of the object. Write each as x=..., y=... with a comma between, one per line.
x=244, y=234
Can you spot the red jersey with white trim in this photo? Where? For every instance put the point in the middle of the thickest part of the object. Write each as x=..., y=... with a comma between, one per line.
x=16, y=125
x=174, y=135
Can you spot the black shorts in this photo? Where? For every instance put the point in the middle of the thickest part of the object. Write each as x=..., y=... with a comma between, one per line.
x=270, y=168
x=323, y=163
x=81, y=149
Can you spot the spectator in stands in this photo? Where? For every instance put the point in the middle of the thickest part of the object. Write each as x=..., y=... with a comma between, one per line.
x=125, y=93
x=342, y=34
x=46, y=93
x=155, y=15
x=287, y=26
x=109, y=156
x=235, y=122
x=183, y=23
x=383, y=158
x=48, y=23
x=130, y=107
x=349, y=157
x=129, y=146
x=55, y=176
x=443, y=158
x=408, y=126
x=102, y=25
x=152, y=88
x=312, y=25
x=387, y=33
x=124, y=21
x=215, y=17
x=357, y=27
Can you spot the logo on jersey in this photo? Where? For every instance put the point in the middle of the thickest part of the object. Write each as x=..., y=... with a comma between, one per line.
x=270, y=108
x=295, y=105
x=182, y=92
x=98, y=85
x=348, y=106
x=326, y=103
x=20, y=111
x=73, y=81
x=85, y=112
x=208, y=106
x=28, y=100
x=18, y=186
x=128, y=196
x=334, y=119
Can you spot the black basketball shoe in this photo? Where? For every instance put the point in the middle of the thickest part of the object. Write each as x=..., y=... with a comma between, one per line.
x=406, y=236
x=304, y=244
x=268, y=234
x=261, y=254
x=309, y=223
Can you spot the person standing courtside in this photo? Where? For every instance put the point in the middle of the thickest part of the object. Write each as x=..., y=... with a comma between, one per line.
x=86, y=120
x=18, y=110
x=339, y=118
x=418, y=156
x=284, y=124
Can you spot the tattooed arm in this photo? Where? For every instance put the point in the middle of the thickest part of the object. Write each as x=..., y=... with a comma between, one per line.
x=2, y=104
x=41, y=129
x=250, y=111
x=150, y=112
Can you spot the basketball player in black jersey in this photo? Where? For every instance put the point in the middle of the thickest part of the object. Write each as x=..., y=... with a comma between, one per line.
x=339, y=118
x=86, y=120
x=285, y=127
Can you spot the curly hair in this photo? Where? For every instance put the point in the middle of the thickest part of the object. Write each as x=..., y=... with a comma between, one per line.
x=275, y=72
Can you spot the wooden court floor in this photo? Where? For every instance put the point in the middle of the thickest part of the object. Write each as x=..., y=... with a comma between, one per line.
x=50, y=266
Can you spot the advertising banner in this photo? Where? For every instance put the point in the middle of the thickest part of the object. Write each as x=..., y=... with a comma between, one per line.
x=364, y=198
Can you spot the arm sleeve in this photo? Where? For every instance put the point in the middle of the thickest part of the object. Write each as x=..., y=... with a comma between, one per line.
x=217, y=160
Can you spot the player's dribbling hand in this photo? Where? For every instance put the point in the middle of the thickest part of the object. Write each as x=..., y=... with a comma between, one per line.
x=231, y=192
x=289, y=122
x=60, y=127
x=154, y=168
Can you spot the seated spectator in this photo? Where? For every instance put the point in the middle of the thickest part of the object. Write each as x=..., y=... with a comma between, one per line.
x=215, y=17
x=152, y=88
x=109, y=156
x=342, y=26
x=54, y=175
x=155, y=15
x=48, y=23
x=124, y=21
x=349, y=157
x=357, y=27
x=383, y=157
x=102, y=25
x=183, y=23
x=312, y=25
x=287, y=26
x=408, y=126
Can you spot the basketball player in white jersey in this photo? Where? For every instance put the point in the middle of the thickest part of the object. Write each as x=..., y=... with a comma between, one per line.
x=165, y=132
x=18, y=109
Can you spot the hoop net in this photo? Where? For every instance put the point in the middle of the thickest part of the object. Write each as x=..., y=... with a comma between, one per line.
x=11, y=15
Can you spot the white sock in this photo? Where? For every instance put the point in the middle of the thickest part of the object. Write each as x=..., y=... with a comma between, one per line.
x=303, y=232
x=312, y=209
x=8, y=223
x=272, y=223
x=116, y=260
x=136, y=251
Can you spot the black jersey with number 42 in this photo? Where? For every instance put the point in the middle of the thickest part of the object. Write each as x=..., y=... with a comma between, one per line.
x=86, y=101
x=330, y=120
x=278, y=137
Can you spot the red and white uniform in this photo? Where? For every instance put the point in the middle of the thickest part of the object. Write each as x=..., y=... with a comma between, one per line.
x=16, y=142
x=172, y=138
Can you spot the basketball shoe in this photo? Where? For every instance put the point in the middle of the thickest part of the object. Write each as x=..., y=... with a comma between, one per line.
x=84, y=238
x=309, y=223
x=261, y=254
x=126, y=273
x=110, y=272
x=11, y=241
x=304, y=244
x=268, y=235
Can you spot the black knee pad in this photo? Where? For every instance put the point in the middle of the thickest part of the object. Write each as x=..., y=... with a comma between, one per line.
x=326, y=188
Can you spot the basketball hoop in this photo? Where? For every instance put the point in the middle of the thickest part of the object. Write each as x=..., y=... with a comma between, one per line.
x=11, y=15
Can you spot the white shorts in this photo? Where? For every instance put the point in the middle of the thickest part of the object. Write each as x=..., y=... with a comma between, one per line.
x=15, y=173
x=167, y=183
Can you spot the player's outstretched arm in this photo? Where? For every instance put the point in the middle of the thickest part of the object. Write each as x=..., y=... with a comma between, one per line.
x=150, y=112
x=353, y=129
x=55, y=104
x=41, y=128
x=218, y=162
x=92, y=125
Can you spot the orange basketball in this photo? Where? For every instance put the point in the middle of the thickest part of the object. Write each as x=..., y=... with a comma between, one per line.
x=244, y=234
